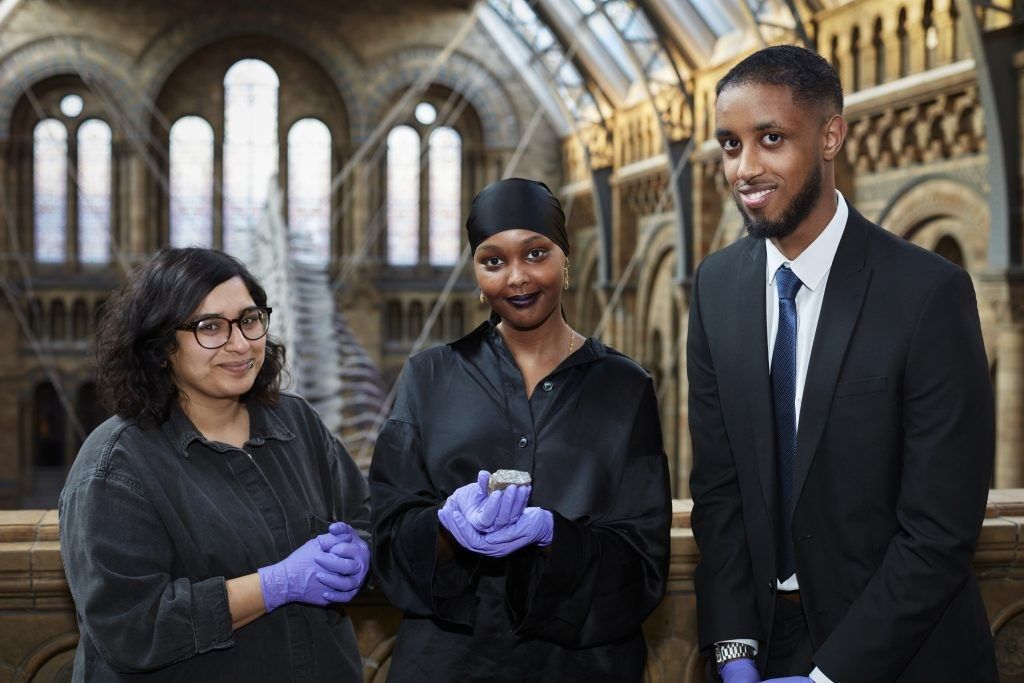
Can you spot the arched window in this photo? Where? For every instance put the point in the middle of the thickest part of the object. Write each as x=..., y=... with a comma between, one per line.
x=424, y=214
x=94, y=184
x=836, y=63
x=393, y=321
x=250, y=146
x=403, y=192
x=191, y=183
x=36, y=318
x=48, y=427
x=50, y=190
x=309, y=190
x=878, y=44
x=58, y=321
x=79, y=320
x=904, y=42
x=445, y=195
x=90, y=411
x=931, y=35
x=855, y=58
x=954, y=28
x=948, y=248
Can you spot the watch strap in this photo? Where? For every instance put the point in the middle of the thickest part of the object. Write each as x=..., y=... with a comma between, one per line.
x=726, y=652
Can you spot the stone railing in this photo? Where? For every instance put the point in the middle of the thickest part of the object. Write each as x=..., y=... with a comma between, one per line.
x=38, y=632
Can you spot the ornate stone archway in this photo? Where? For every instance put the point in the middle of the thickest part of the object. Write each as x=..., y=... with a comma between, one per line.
x=97, y=63
x=926, y=211
x=460, y=73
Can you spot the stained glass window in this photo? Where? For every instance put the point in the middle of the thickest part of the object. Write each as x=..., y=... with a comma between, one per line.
x=250, y=146
x=94, y=183
x=426, y=113
x=191, y=182
x=445, y=195
x=309, y=190
x=50, y=188
x=403, y=196
x=71, y=106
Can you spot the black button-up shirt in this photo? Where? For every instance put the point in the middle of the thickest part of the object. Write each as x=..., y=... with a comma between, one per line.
x=592, y=444
x=153, y=521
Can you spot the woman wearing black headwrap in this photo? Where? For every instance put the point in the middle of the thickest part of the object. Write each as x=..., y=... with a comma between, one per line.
x=549, y=581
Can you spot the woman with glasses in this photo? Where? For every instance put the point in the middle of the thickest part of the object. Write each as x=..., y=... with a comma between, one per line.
x=209, y=528
x=550, y=578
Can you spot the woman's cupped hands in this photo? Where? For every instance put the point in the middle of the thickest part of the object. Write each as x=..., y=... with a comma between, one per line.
x=495, y=524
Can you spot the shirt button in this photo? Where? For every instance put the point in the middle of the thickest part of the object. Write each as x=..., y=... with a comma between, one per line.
x=523, y=441
x=548, y=386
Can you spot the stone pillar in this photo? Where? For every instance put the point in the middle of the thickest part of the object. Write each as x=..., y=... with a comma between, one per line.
x=1001, y=299
x=1009, y=387
x=137, y=211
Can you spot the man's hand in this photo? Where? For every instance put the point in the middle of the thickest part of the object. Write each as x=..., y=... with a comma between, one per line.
x=740, y=671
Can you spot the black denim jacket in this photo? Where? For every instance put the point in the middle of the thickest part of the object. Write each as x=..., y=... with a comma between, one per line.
x=153, y=521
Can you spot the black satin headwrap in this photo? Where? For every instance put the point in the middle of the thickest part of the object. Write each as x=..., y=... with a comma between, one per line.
x=516, y=203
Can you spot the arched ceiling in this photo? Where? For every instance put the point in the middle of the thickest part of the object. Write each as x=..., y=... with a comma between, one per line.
x=584, y=57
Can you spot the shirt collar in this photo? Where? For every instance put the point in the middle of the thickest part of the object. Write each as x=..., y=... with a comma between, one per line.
x=486, y=332
x=813, y=264
x=263, y=424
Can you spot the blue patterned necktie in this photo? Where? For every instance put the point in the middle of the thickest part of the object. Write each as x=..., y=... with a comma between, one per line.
x=787, y=284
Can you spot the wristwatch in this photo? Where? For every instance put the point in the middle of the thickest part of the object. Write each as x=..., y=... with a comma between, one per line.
x=726, y=652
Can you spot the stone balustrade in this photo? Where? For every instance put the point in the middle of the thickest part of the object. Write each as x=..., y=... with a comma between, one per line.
x=38, y=632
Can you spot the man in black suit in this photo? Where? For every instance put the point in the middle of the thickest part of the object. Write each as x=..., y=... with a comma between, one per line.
x=841, y=414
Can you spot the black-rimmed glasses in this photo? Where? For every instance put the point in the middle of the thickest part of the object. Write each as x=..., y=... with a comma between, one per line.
x=215, y=331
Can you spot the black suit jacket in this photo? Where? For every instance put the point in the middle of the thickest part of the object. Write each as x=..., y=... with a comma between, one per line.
x=894, y=456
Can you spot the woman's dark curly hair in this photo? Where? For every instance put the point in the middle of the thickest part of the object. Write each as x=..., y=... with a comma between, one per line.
x=138, y=332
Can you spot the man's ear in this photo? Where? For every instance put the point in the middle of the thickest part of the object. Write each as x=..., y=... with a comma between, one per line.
x=834, y=134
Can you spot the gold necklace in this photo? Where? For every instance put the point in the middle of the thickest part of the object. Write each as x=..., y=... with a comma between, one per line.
x=572, y=340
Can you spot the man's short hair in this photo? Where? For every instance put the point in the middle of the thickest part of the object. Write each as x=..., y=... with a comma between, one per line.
x=809, y=77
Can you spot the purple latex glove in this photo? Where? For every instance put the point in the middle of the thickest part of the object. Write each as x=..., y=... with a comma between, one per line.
x=468, y=537
x=337, y=532
x=740, y=671
x=488, y=512
x=535, y=526
x=294, y=579
x=345, y=563
x=464, y=533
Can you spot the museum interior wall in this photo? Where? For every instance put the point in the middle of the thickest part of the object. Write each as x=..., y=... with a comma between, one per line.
x=130, y=125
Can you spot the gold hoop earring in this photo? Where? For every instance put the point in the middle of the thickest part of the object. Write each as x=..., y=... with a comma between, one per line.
x=565, y=284
x=483, y=299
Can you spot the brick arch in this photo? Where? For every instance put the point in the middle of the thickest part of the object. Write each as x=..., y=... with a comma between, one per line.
x=460, y=73
x=163, y=56
x=961, y=210
x=659, y=251
x=47, y=57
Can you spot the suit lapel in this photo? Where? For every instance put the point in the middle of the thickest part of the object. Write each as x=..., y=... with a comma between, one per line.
x=844, y=293
x=750, y=337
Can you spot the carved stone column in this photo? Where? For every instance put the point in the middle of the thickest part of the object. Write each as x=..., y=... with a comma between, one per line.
x=138, y=209
x=1001, y=300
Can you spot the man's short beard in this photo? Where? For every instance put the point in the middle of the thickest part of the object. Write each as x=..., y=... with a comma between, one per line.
x=799, y=208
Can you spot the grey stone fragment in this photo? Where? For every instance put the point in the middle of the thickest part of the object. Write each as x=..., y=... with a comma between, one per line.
x=502, y=479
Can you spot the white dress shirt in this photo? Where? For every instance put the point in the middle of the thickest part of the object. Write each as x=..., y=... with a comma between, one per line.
x=812, y=266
